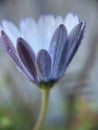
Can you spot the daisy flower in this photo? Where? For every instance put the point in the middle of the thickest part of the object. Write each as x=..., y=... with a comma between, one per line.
x=42, y=50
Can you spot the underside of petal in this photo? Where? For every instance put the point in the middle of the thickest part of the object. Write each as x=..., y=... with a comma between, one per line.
x=74, y=44
x=74, y=41
x=10, y=49
x=44, y=64
x=58, y=42
x=27, y=57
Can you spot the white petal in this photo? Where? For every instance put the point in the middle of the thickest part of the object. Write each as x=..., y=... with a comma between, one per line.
x=46, y=25
x=71, y=21
x=30, y=32
x=11, y=30
x=58, y=21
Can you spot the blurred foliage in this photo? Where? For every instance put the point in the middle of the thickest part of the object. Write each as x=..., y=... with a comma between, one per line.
x=85, y=119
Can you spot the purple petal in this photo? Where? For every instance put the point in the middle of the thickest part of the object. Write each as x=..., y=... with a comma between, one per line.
x=75, y=38
x=58, y=42
x=74, y=41
x=8, y=46
x=44, y=64
x=27, y=57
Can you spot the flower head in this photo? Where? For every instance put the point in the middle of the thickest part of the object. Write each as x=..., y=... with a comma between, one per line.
x=43, y=50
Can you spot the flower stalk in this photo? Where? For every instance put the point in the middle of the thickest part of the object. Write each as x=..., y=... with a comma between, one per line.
x=45, y=97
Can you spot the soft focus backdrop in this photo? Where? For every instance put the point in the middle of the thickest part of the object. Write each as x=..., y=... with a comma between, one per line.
x=20, y=100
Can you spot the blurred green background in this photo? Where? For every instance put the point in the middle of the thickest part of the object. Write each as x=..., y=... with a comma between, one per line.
x=20, y=100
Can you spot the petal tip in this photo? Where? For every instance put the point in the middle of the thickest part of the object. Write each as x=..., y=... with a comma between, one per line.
x=2, y=33
x=19, y=39
x=72, y=15
x=62, y=26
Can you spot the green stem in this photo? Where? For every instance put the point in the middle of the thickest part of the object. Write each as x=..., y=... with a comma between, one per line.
x=43, y=108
